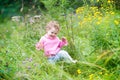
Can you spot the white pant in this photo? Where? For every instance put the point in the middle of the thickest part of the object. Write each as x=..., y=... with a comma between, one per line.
x=61, y=55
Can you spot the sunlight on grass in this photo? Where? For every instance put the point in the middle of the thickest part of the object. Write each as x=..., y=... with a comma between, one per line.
x=93, y=36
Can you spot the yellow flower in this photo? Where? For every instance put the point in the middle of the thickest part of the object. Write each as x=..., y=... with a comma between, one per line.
x=116, y=22
x=99, y=18
x=97, y=14
x=106, y=12
x=79, y=10
x=85, y=19
x=112, y=13
x=89, y=19
x=109, y=1
x=106, y=74
x=91, y=76
x=79, y=71
x=94, y=8
x=98, y=22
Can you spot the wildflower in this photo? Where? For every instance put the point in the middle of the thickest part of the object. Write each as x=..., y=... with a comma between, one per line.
x=99, y=18
x=109, y=1
x=94, y=8
x=29, y=67
x=35, y=64
x=89, y=19
x=79, y=71
x=85, y=19
x=106, y=74
x=30, y=60
x=112, y=13
x=116, y=22
x=98, y=22
x=97, y=13
x=106, y=12
x=79, y=10
x=91, y=76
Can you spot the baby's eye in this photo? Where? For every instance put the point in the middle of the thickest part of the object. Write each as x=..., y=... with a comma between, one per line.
x=52, y=32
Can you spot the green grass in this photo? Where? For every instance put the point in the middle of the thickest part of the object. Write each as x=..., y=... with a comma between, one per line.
x=93, y=38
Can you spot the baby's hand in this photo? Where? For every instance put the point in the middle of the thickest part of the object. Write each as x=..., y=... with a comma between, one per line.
x=39, y=46
x=64, y=39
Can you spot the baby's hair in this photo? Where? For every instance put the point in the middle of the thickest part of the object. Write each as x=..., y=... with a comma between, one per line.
x=53, y=24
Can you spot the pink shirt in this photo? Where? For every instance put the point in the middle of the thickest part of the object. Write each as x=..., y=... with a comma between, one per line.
x=51, y=45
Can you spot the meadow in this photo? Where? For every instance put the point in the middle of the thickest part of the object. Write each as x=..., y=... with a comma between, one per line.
x=94, y=40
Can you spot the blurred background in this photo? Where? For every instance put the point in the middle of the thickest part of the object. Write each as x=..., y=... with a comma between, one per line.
x=92, y=28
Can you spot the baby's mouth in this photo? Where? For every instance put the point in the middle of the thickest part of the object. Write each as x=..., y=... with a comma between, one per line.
x=52, y=36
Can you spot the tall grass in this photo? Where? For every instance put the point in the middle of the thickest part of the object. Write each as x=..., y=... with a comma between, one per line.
x=93, y=36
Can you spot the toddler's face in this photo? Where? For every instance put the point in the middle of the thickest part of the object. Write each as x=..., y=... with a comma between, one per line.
x=52, y=32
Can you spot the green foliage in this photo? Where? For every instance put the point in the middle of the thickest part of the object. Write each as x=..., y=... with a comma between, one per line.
x=92, y=33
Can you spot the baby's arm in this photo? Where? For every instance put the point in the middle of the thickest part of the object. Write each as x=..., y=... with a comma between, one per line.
x=39, y=46
x=63, y=42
